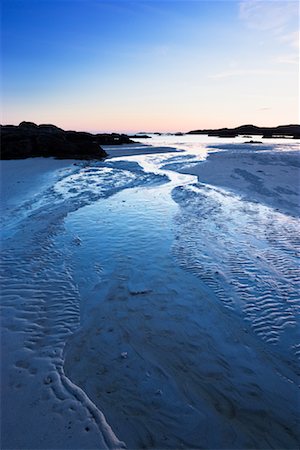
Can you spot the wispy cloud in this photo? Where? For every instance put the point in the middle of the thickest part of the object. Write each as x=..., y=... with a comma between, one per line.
x=292, y=58
x=275, y=16
x=241, y=72
x=291, y=38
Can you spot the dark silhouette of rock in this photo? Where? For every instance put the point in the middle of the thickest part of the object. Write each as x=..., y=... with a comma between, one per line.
x=28, y=125
x=253, y=142
x=48, y=128
x=224, y=133
x=292, y=131
x=30, y=140
x=140, y=136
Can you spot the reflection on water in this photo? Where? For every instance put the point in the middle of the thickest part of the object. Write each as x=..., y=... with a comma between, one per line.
x=169, y=304
x=176, y=360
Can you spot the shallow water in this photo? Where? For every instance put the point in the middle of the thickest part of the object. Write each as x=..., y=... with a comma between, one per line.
x=176, y=360
x=168, y=305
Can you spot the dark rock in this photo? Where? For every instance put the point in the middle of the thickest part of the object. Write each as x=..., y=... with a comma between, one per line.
x=224, y=134
x=292, y=131
x=30, y=140
x=28, y=125
x=48, y=128
x=112, y=139
x=253, y=142
x=140, y=136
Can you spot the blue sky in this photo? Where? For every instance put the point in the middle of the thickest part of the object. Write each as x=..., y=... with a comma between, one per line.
x=149, y=65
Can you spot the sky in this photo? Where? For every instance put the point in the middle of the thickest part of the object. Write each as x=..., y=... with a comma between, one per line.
x=129, y=66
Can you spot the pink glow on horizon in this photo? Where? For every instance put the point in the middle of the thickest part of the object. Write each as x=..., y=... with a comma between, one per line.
x=109, y=125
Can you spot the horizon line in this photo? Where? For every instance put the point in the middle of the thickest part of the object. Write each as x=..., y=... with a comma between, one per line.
x=94, y=131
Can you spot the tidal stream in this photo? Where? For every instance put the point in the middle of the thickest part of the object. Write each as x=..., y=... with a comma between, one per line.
x=188, y=314
x=141, y=298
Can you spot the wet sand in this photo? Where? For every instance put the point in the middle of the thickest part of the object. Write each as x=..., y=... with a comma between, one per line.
x=142, y=305
x=255, y=172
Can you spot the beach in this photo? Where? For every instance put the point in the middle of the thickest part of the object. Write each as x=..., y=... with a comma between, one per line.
x=150, y=300
x=257, y=172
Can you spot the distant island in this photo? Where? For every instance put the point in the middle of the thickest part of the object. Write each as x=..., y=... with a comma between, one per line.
x=292, y=131
x=29, y=140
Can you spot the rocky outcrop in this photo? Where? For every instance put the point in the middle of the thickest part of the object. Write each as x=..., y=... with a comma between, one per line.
x=30, y=140
x=292, y=131
x=139, y=136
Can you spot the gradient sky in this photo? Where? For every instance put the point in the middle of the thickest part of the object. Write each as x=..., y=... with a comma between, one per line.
x=150, y=65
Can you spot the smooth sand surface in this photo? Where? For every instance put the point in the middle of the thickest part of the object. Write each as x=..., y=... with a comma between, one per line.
x=21, y=179
x=261, y=176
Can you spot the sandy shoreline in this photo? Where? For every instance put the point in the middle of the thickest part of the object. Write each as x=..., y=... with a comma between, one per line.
x=140, y=305
x=272, y=178
x=21, y=179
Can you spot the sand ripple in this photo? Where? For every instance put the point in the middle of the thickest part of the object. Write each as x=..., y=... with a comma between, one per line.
x=41, y=309
x=246, y=254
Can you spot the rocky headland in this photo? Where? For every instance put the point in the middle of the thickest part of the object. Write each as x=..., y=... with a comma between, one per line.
x=291, y=131
x=29, y=140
